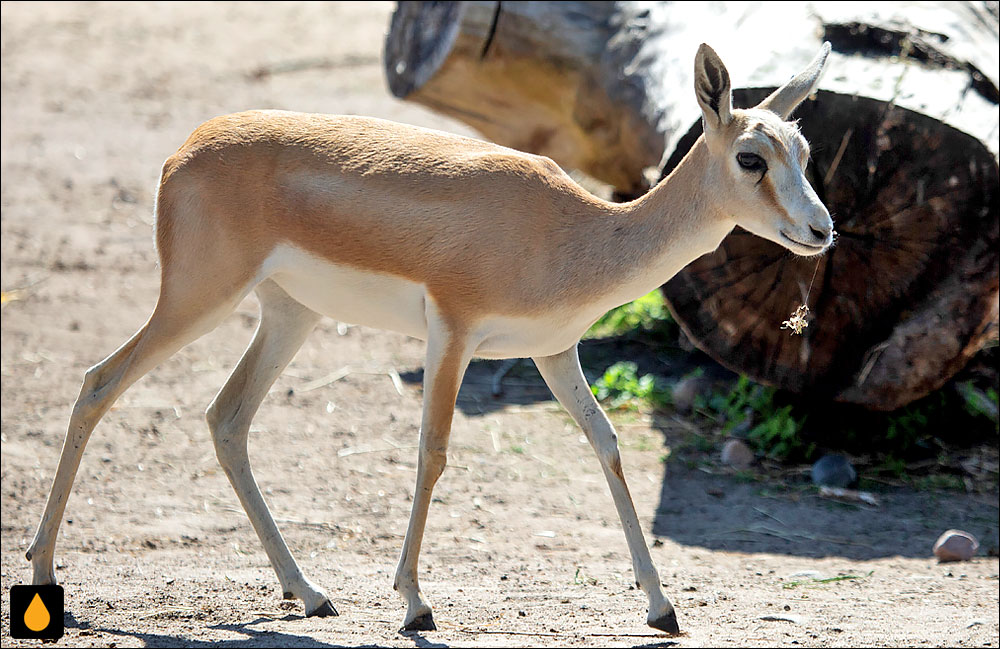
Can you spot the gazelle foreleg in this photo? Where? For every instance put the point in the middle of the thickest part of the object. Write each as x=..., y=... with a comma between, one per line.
x=284, y=326
x=565, y=378
x=448, y=355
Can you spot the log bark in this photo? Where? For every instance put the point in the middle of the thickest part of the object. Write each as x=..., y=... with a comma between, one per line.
x=904, y=133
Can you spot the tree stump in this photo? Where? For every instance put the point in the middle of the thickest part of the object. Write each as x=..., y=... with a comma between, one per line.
x=904, y=136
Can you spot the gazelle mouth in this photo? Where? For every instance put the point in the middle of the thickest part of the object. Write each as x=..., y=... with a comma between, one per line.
x=810, y=246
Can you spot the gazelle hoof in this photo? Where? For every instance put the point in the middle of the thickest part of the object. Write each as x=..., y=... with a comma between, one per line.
x=323, y=610
x=423, y=622
x=666, y=623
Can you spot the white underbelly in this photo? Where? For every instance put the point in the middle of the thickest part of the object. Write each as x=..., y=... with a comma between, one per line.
x=530, y=336
x=389, y=302
x=348, y=294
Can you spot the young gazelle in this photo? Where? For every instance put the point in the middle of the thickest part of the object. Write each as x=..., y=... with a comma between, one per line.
x=478, y=249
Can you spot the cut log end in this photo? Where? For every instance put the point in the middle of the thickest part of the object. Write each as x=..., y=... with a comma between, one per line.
x=904, y=299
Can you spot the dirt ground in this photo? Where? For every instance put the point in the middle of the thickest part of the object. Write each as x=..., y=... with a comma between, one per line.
x=523, y=547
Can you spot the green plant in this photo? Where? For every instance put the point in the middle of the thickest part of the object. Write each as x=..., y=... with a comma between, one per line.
x=893, y=466
x=979, y=403
x=778, y=435
x=829, y=580
x=731, y=408
x=940, y=481
x=621, y=387
x=907, y=426
x=771, y=429
x=646, y=313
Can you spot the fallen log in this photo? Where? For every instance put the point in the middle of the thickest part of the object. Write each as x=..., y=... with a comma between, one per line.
x=904, y=134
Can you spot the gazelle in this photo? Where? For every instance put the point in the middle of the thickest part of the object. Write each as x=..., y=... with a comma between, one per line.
x=478, y=249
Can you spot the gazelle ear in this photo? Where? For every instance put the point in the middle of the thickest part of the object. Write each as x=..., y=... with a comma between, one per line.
x=786, y=98
x=712, y=88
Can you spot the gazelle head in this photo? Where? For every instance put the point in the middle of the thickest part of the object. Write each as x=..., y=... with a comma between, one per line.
x=759, y=159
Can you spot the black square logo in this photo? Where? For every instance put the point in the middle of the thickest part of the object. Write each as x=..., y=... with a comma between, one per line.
x=36, y=612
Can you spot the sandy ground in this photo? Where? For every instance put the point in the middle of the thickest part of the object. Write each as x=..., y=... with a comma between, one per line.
x=523, y=546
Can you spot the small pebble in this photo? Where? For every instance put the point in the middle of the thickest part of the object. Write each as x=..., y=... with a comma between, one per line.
x=955, y=545
x=833, y=471
x=687, y=390
x=736, y=454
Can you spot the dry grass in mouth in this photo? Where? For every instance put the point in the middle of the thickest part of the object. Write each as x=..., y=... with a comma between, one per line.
x=797, y=321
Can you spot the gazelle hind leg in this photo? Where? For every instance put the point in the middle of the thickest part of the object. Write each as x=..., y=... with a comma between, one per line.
x=448, y=355
x=565, y=378
x=284, y=326
x=173, y=324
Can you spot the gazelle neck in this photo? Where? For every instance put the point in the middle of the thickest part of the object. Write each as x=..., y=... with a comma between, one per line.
x=669, y=227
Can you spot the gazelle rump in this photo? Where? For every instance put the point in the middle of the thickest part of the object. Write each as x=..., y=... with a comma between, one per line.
x=477, y=249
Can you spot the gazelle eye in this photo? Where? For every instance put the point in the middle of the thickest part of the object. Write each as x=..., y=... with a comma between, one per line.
x=751, y=162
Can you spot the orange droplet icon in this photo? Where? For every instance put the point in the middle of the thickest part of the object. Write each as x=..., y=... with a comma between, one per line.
x=36, y=617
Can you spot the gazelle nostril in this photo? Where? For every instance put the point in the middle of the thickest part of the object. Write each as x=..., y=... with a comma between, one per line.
x=819, y=234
